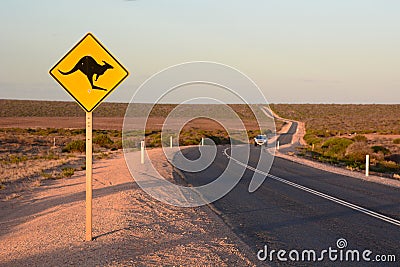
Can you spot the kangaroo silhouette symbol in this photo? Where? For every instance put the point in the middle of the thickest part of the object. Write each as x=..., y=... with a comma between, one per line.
x=88, y=66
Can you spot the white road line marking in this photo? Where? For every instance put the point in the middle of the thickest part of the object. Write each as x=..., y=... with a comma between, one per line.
x=317, y=193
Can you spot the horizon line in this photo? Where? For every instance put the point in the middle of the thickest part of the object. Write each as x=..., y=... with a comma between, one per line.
x=174, y=103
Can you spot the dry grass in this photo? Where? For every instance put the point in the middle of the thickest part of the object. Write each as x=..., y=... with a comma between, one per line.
x=195, y=130
x=28, y=156
x=344, y=134
x=337, y=119
x=108, y=116
x=33, y=108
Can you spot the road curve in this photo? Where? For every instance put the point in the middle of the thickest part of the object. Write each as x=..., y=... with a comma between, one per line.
x=286, y=138
x=283, y=216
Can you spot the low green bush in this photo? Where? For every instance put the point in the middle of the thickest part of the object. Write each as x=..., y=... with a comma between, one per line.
x=360, y=138
x=382, y=149
x=17, y=159
x=127, y=143
x=103, y=140
x=311, y=138
x=68, y=172
x=386, y=166
x=75, y=146
x=396, y=141
x=46, y=175
x=357, y=151
x=117, y=145
x=336, y=147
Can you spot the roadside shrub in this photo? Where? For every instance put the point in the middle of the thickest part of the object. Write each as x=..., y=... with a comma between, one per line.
x=17, y=159
x=393, y=157
x=357, y=152
x=75, y=146
x=382, y=149
x=101, y=155
x=386, y=166
x=311, y=138
x=117, y=145
x=126, y=143
x=153, y=139
x=77, y=131
x=336, y=147
x=396, y=141
x=360, y=138
x=322, y=133
x=103, y=140
x=47, y=175
x=391, y=164
x=68, y=172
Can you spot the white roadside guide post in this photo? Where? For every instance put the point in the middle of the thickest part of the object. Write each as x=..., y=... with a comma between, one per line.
x=142, y=152
x=202, y=141
x=84, y=56
x=367, y=165
x=277, y=145
x=170, y=141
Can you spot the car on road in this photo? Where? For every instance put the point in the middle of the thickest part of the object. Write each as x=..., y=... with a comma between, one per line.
x=260, y=140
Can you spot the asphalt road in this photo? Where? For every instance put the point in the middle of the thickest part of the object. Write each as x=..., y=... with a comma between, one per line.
x=283, y=216
x=286, y=138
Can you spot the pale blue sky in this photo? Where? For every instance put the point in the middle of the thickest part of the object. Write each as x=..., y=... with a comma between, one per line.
x=297, y=51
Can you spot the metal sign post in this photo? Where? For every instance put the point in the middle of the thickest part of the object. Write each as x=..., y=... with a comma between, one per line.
x=89, y=173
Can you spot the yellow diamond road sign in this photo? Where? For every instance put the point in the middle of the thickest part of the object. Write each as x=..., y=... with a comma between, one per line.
x=88, y=72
